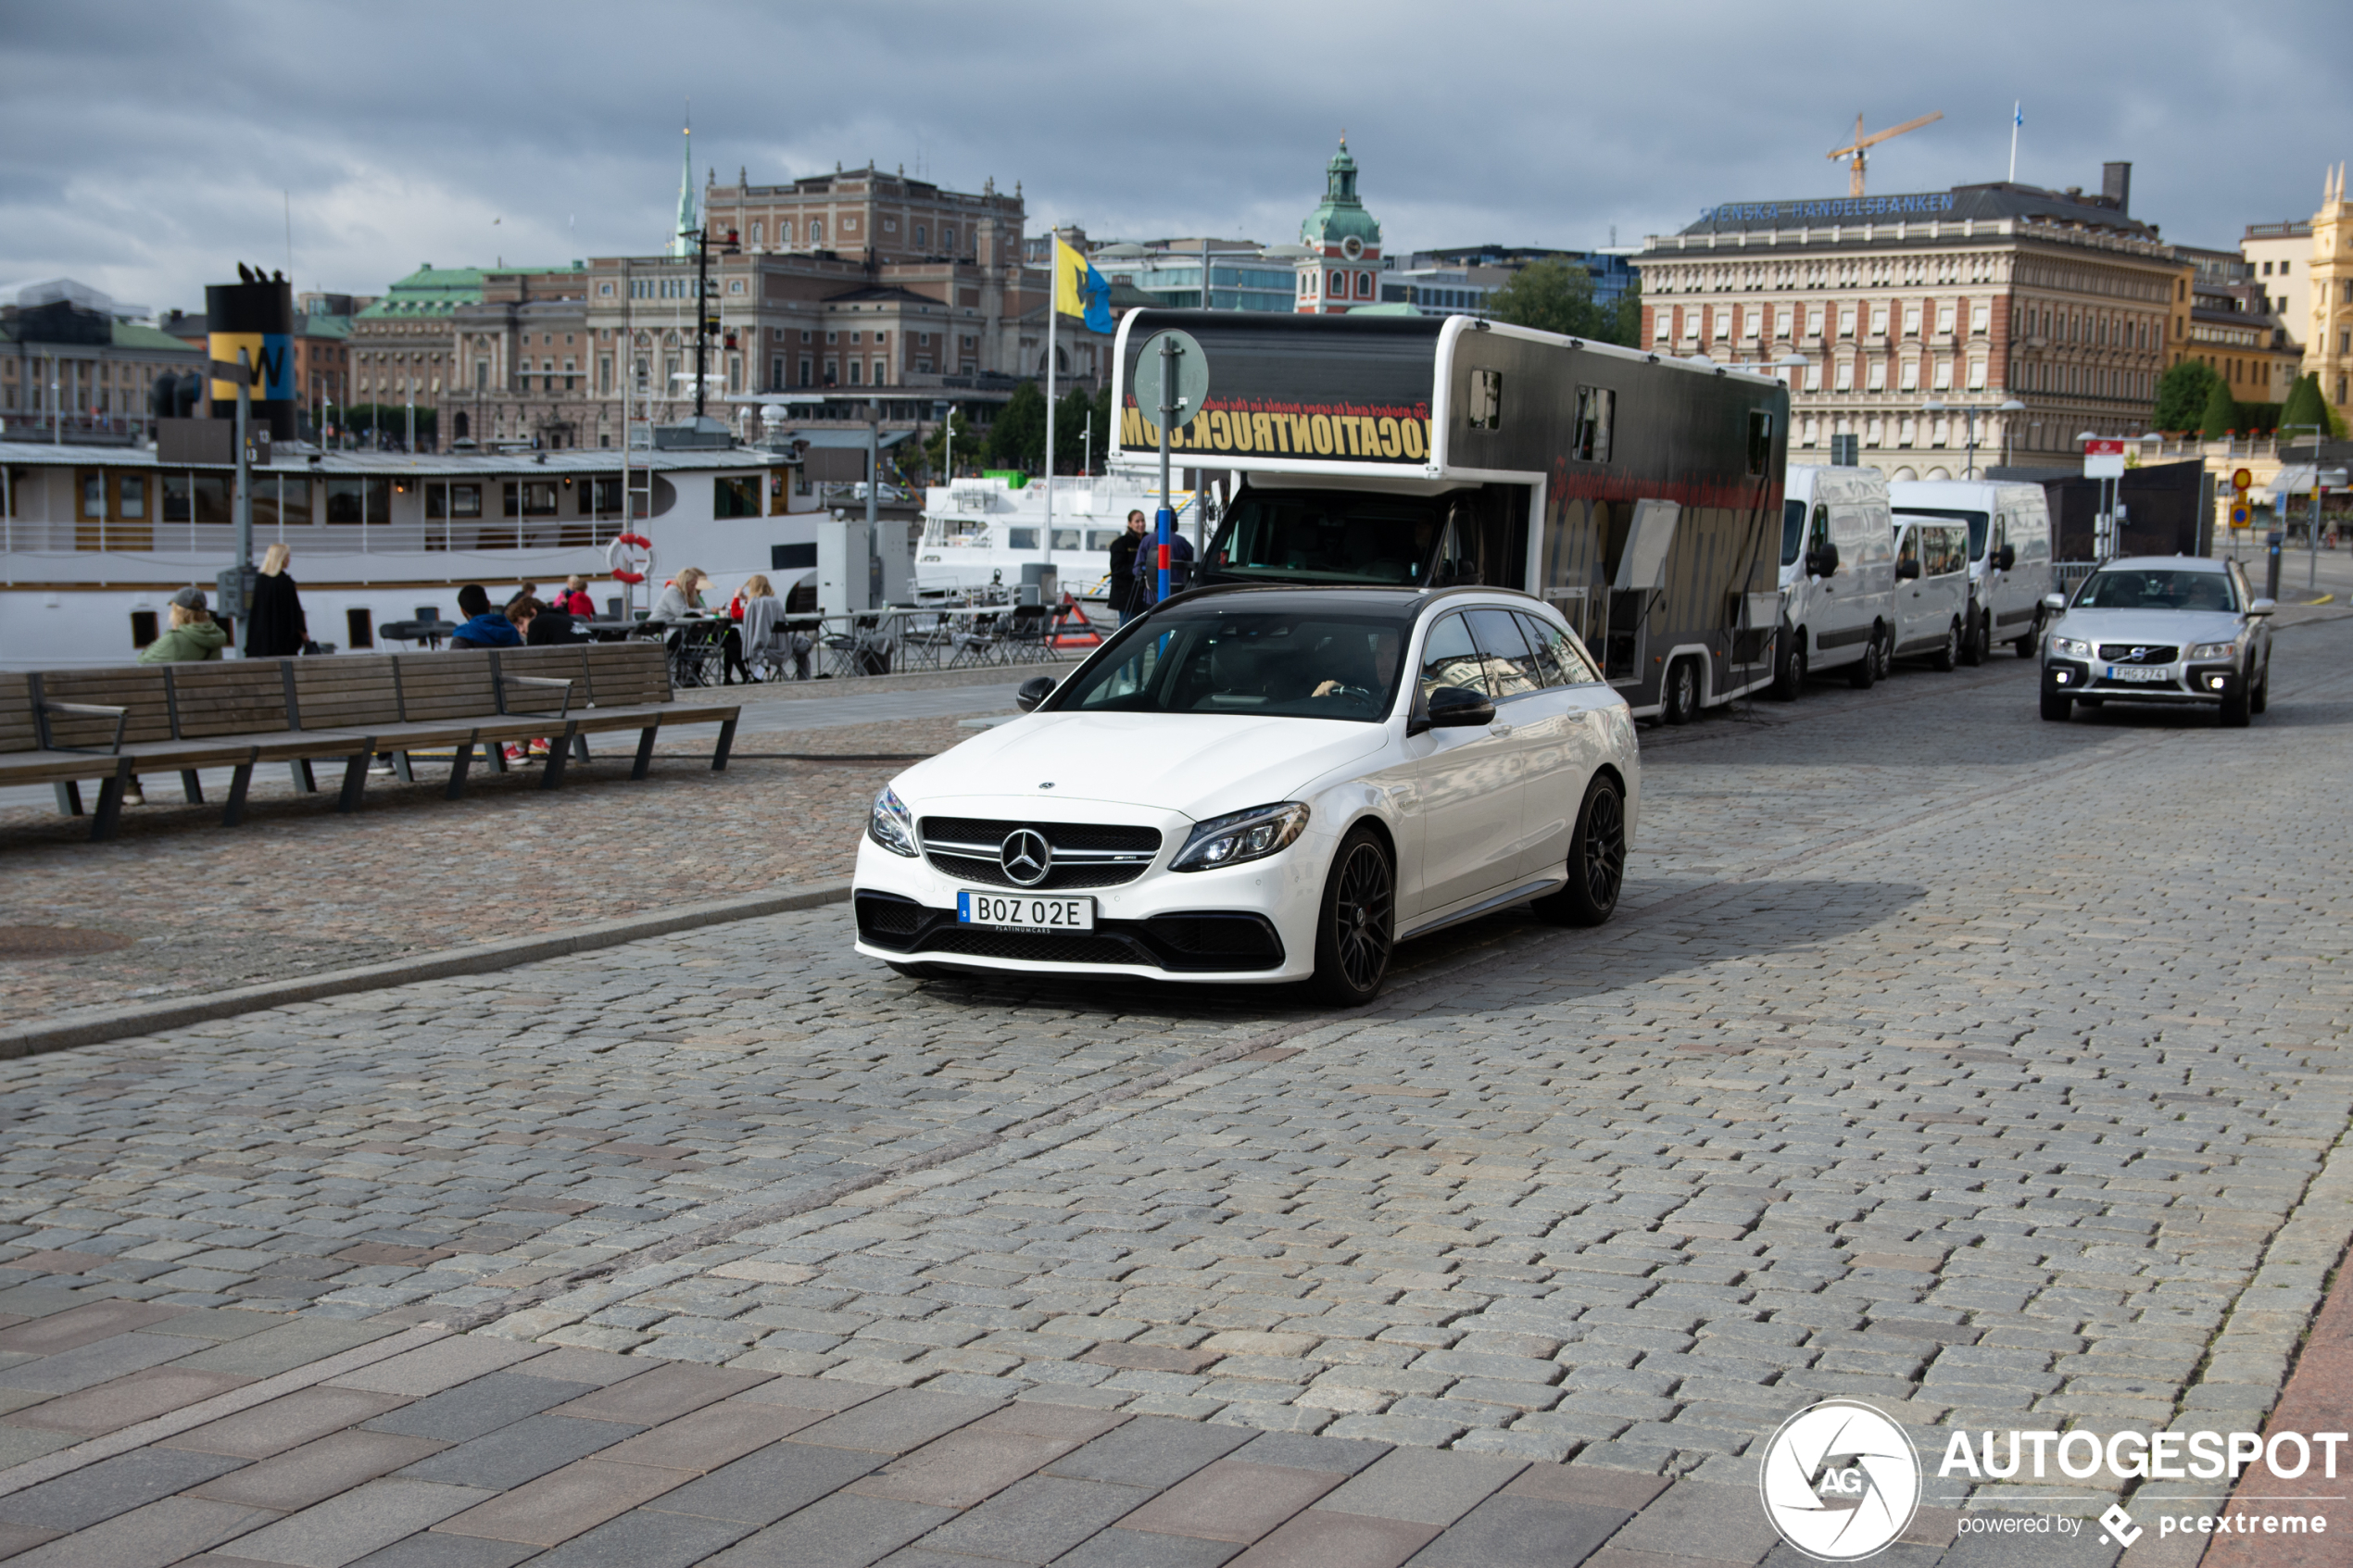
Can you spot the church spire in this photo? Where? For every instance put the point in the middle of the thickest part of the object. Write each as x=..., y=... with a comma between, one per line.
x=680, y=243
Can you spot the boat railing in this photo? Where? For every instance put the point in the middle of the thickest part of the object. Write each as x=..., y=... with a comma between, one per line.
x=437, y=535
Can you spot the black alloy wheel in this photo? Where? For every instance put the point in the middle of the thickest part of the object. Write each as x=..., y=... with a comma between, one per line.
x=1789, y=679
x=1355, y=928
x=1949, y=656
x=2027, y=644
x=1596, y=861
x=1679, y=703
x=1864, y=671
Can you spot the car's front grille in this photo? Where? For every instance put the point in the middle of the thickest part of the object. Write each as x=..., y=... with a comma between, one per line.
x=1021, y=947
x=1086, y=854
x=2138, y=653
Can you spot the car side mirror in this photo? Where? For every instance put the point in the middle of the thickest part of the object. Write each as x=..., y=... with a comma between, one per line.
x=1459, y=708
x=2008, y=559
x=1823, y=561
x=1906, y=570
x=2054, y=601
x=1032, y=692
x=2262, y=607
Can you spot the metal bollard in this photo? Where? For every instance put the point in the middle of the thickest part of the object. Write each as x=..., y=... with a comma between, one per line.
x=2272, y=541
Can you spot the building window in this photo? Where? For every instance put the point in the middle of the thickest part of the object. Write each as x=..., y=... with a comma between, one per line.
x=948, y=235
x=882, y=375
x=1723, y=323
x=1846, y=321
x=1364, y=286
x=816, y=232
x=1942, y=379
x=1781, y=324
x=735, y=285
x=1339, y=285
x=854, y=367
x=1911, y=321
x=1813, y=320
x=807, y=375
x=921, y=235
x=1879, y=321
x=1977, y=375
x=1980, y=319
x=1944, y=317
x=1813, y=378
x=1908, y=375
x=759, y=233
x=1846, y=375
x=1661, y=324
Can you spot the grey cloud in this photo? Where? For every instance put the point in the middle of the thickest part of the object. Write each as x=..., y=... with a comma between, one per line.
x=146, y=147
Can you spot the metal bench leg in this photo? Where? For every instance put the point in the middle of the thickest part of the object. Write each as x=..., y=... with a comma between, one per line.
x=109, y=808
x=496, y=751
x=355, y=780
x=239, y=782
x=305, y=780
x=460, y=762
x=580, y=748
x=69, y=798
x=559, y=753
x=191, y=786
x=401, y=768
x=726, y=745
x=645, y=752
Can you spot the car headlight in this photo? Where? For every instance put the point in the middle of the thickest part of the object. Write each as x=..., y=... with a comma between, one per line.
x=2214, y=650
x=1241, y=836
x=891, y=825
x=2070, y=648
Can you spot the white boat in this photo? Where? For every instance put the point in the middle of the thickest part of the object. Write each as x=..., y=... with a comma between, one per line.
x=980, y=532
x=95, y=540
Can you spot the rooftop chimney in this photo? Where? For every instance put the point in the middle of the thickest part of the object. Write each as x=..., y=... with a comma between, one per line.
x=2116, y=185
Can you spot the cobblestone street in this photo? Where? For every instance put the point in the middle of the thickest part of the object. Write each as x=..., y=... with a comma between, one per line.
x=1987, y=1070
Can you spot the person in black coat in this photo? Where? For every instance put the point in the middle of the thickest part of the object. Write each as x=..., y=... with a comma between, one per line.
x=274, y=626
x=1125, y=600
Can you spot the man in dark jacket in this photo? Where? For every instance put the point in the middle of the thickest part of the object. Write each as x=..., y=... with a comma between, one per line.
x=1124, y=599
x=483, y=627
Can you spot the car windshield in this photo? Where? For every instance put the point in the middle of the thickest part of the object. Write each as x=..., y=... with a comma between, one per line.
x=1976, y=521
x=1792, y=530
x=1327, y=536
x=1302, y=664
x=2157, y=588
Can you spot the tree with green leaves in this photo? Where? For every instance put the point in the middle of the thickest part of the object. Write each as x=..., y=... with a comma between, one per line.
x=1552, y=295
x=1073, y=417
x=1017, y=438
x=2221, y=412
x=2182, y=395
x=1626, y=329
x=2305, y=408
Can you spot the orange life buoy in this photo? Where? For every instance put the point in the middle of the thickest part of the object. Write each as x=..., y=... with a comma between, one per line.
x=625, y=567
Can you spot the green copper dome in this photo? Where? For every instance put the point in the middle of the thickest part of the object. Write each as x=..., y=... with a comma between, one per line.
x=1341, y=213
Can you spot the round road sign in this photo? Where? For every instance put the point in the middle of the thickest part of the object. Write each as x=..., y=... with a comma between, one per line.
x=2242, y=481
x=2238, y=517
x=1192, y=378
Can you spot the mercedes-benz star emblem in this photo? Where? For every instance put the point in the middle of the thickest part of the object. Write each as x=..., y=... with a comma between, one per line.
x=1027, y=857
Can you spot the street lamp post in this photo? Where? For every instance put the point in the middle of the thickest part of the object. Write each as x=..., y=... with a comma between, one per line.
x=1969, y=424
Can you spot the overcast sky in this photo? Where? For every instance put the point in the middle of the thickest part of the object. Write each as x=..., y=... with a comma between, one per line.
x=146, y=149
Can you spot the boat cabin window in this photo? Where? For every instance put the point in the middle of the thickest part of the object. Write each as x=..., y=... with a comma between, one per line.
x=1021, y=538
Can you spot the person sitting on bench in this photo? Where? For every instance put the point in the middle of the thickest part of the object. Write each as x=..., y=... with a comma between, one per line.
x=483, y=627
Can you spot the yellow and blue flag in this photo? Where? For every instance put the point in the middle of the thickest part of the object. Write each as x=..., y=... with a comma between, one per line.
x=1079, y=290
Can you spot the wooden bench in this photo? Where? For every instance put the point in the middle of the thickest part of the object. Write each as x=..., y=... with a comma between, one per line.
x=68, y=727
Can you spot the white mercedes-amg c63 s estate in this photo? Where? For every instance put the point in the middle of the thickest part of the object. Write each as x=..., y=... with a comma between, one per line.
x=1265, y=784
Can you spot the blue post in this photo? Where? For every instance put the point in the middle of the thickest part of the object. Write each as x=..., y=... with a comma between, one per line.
x=1166, y=527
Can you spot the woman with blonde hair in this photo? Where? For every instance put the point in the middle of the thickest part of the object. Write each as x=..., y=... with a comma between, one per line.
x=765, y=641
x=275, y=626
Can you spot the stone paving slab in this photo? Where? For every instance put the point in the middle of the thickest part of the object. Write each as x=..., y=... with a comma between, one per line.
x=1903, y=1074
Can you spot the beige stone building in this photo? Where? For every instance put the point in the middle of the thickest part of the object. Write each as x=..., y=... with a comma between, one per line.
x=2328, y=348
x=1970, y=298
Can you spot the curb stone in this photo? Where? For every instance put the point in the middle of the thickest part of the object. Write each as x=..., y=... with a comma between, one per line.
x=102, y=1024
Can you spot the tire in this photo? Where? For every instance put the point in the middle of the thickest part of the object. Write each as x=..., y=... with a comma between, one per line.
x=2259, y=698
x=2093, y=702
x=1355, y=923
x=1886, y=652
x=1865, y=671
x=1789, y=675
x=1679, y=698
x=2025, y=646
x=1974, y=640
x=2056, y=707
x=1948, y=657
x=1596, y=861
x=2237, y=708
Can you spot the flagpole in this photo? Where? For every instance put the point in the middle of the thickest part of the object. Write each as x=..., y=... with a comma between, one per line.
x=2018, y=117
x=1053, y=309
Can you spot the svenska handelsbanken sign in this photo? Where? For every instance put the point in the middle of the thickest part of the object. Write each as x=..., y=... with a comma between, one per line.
x=1926, y=205
x=1265, y=427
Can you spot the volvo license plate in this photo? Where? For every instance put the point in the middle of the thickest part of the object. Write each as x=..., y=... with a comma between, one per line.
x=2138, y=673
x=1025, y=911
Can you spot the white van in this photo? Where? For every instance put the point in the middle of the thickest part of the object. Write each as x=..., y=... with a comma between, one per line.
x=1932, y=589
x=2010, y=556
x=1838, y=577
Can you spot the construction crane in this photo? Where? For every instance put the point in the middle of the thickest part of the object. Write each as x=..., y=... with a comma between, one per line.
x=1859, y=150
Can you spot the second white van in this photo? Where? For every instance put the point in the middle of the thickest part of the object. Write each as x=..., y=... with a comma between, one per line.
x=1838, y=577
x=1932, y=589
x=2010, y=556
